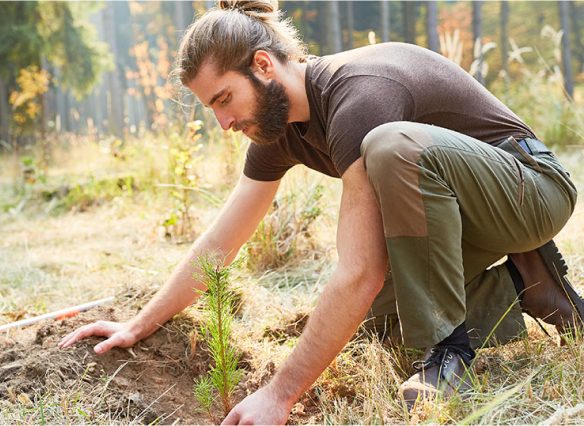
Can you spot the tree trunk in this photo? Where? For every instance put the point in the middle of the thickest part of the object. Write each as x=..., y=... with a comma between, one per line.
x=504, y=42
x=576, y=13
x=566, y=49
x=4, y=108
x=320, y=27
x=350, y=25
x=116, y=104
x=432, y=25
x=409, y=21
x=183, y=16
x=477, y=21
x=66, y=117
x=304, y=22
x=45, y=101
x=60, y=104
x=334, y=37
x=384, y=21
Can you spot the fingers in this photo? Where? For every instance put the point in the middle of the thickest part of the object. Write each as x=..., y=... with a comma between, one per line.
x=232, y=418
x=106, y=345
x=100, y=328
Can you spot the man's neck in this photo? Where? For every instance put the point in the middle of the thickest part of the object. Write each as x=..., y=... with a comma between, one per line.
x=296, y=89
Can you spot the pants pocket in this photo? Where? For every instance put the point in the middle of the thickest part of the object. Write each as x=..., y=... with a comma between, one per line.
x=520, y=181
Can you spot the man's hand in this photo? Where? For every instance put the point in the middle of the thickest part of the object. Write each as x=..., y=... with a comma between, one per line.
x=263, y=407
x=236, y=223
x=340, y=310
x=118, y=334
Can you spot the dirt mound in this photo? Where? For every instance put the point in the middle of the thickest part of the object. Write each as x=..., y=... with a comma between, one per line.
x=153, y=380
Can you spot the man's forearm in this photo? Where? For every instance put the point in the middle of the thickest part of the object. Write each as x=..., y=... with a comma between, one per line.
x=179, y=291
x=338, y=314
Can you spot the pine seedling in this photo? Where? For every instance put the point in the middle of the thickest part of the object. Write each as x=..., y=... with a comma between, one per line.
x=219, y=302
x=203, y=391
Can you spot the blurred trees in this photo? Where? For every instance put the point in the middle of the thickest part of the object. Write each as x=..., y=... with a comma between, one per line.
x=477, y=25
x=54, y=55
x=409, y=20
x=332, y=19
x=566, y=48
x=576, y=21
x=37, y=41
x=350, y=26
x=432, y=26
x=384, y=21
x=504, y=42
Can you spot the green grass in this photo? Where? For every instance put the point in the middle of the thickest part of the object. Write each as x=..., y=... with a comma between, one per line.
x=51, y=259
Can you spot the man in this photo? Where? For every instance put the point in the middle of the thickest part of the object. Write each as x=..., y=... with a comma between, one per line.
x=440, y=180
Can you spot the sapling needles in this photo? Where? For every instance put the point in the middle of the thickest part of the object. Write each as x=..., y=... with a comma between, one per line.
x=218, y=306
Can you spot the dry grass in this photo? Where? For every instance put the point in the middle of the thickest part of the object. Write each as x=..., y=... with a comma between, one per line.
x=49, y=262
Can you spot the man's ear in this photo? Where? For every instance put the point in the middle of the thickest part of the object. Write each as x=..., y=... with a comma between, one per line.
x=263, y=65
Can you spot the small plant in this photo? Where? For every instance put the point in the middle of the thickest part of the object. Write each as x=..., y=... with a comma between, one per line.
x=280, y=234
x=32, y=170
x=219, y=303
x=183, y=156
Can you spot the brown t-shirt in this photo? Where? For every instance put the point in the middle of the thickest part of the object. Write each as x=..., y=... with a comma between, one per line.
x=353, y=92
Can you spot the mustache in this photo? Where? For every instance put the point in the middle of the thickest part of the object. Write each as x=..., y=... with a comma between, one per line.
x=238, y=127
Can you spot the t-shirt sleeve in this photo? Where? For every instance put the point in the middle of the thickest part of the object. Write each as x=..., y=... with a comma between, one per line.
x=268, y=162
x=356, y=106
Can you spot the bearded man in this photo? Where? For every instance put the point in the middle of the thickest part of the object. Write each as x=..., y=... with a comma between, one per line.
x=440, y=181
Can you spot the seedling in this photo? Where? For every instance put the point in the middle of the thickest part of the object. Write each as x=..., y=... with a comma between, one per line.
x=218, y=308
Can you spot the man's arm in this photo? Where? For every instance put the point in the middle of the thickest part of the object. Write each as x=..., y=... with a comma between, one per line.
x=237, y=221
x=340, y=310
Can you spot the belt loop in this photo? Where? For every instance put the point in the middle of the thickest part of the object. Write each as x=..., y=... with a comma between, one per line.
x=523, y=152
x=531, y=145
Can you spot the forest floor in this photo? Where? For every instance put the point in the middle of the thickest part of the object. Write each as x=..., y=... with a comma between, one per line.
x=51, y=261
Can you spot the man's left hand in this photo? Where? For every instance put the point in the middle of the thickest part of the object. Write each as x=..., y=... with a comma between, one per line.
x=263, y=407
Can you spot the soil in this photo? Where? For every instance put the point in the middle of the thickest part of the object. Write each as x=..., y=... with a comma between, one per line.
x=152, y=380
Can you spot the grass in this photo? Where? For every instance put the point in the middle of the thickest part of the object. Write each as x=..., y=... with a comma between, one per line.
x=51, y=259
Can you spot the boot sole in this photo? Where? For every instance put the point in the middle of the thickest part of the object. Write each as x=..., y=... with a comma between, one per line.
x=551, y=256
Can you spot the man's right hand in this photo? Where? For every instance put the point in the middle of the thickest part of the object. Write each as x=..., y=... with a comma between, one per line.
x=236, y=223
x=118, y=334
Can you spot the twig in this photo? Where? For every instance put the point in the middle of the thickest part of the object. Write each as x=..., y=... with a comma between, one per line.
x=152, y=403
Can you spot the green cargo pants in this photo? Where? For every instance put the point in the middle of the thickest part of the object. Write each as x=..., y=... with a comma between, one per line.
x=452, y=206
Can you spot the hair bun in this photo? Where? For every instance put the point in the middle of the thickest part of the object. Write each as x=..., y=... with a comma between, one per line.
x=249, y=7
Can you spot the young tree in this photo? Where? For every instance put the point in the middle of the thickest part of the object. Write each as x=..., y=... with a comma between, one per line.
x=477, y=20
x=432, y=25
x=566, y=49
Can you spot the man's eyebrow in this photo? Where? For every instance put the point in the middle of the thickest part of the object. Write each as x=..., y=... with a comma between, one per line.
x=217, y=96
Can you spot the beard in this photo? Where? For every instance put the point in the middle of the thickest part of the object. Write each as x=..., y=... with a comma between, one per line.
x=271, y=112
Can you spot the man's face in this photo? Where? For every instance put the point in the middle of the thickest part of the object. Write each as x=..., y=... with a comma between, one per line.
x=243, y=102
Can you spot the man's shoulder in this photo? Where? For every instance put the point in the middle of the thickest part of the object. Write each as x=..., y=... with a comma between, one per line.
x=365, y=57
x=391, y=60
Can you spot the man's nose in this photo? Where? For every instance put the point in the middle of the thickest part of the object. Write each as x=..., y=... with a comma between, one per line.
x=225, y=120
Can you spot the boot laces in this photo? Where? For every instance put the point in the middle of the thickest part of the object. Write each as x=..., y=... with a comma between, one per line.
x=442, y=357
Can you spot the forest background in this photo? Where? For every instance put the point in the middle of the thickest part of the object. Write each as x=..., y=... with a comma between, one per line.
x=100, y=68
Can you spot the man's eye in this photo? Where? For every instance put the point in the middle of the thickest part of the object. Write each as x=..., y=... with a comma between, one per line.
x=227, y=98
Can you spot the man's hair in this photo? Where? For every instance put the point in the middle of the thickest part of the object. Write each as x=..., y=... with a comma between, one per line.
x=231, y=33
